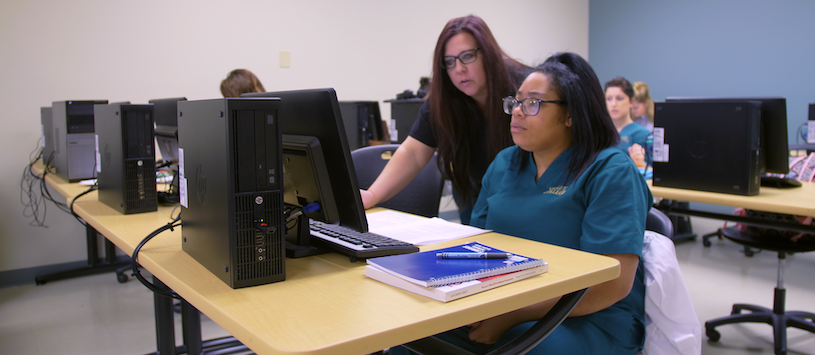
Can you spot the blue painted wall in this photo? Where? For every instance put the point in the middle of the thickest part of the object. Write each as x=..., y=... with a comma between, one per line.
x=709, y=48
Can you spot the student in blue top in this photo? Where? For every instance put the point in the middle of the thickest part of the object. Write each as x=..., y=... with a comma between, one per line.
x=565, y=183
x=619, y=94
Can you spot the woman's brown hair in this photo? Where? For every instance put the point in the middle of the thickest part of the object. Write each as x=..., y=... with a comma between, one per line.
x=240, y=81
x=451, y=111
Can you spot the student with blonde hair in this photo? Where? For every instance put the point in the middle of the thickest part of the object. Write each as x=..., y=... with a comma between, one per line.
x=642, y=106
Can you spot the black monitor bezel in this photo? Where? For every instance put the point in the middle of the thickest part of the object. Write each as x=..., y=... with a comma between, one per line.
x=161, y=108
x=305, y=177
x=774, y=136
x=316, y=113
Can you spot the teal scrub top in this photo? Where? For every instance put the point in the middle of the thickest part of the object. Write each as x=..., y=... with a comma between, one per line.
x=603, y=211
x=632, y=133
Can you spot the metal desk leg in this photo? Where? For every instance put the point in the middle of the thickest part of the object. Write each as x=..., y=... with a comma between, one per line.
x=94, y=265
x=165, y=325
x=191, y=328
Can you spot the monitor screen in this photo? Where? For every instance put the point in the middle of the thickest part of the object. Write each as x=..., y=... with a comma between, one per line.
x=166, y=110
x=774, y=144
x=316, y=113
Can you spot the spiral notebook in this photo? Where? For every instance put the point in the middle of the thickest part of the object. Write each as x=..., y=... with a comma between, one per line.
x=425, y=269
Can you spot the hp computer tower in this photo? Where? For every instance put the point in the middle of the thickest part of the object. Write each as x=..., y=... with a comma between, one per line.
x=708, y=146
x=231, y=188
x=47, y=135
x=126, y=159
x=74, y=140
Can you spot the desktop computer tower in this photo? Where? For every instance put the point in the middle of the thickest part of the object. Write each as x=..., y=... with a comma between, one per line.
x=362, y=121
x=231, y=189
x=47, y=136
x=126, y=158
x=708, y=146
x=404, y=113
x=74, y=140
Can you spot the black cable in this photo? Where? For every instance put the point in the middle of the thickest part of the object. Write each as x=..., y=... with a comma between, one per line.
x=28, y=197
x=135, y=264
x=802, y=132
x=44, y=187
x=92, y=188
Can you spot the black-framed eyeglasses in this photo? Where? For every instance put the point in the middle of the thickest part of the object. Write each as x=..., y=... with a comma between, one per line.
x=466, y=57
x=530, y=105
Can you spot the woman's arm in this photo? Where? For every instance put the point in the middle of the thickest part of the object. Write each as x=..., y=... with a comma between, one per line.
x=598, y=298
x=405, y=164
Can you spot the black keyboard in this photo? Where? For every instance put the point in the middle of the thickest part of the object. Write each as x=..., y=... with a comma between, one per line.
x=357, y=245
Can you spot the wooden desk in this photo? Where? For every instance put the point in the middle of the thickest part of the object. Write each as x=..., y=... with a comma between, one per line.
x=798, y=201
x=327, y=305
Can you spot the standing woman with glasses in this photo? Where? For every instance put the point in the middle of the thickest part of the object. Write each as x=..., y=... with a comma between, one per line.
x=565, y=183
x=462, y=119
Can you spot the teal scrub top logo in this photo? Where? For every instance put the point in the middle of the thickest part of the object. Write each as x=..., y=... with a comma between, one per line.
x=559, y=190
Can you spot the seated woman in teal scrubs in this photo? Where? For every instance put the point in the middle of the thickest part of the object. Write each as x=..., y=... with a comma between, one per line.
x=565, y=183
x=619, y=93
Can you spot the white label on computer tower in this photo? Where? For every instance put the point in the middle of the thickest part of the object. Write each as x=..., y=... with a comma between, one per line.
x=660, y=148
x=811, y=132
x=394, y=133
x=98, y=161
x=182, y=191
x=181, y=162
x=182, y=179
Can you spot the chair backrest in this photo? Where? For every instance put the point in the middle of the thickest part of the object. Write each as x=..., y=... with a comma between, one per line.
x=659, y=222
x=421, y=196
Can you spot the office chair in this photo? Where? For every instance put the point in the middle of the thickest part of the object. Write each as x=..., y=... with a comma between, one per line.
x=777, y=317
x=420, y=197
x=659, y=222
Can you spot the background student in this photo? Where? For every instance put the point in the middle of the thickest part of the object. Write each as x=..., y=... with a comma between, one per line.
x=642, y=106
x=462, y=119
x=565, y=183
x=240, y=81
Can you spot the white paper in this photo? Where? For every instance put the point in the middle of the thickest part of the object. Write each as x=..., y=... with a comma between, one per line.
x=418, y=230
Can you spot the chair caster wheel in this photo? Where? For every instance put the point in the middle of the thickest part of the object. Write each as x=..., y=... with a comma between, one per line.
x=713, y=335
x=706, y=242
x=122, y=278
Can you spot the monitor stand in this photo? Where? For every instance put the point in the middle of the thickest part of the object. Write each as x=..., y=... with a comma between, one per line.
x=298, y=241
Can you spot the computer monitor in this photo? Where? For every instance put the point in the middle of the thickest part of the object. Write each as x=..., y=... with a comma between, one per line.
x=774, y=144
x=165, y=112
x=316, y=113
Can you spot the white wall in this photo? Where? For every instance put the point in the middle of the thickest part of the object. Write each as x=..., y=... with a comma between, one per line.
x=140, y=50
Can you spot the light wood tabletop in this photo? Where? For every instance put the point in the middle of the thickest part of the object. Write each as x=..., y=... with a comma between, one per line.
x=326, y=305
x=798, y=201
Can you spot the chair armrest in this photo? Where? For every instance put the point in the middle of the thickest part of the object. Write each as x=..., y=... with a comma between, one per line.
x=520, y=345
